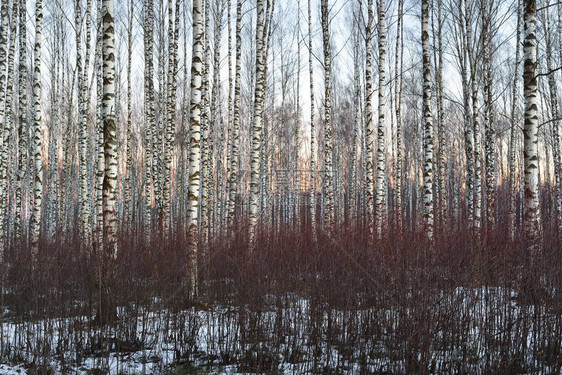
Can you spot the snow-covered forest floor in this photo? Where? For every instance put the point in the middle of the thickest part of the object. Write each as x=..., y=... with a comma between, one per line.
x=470, y=329
x=337, y=307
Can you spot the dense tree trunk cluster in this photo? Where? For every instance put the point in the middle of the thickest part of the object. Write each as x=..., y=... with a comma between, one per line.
x=198, y=158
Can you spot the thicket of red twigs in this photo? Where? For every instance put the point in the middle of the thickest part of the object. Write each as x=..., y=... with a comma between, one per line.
x=334, y=306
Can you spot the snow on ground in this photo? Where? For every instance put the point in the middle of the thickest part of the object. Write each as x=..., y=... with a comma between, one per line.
x=157, y=330
x=214, y=339
x=12, y=370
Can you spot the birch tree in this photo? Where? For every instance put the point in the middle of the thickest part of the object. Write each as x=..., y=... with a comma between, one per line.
x=512, y=138
x=195, y=144
x=206, y=140
x=52, y=191
x=399, y=70
x=296, y=191
x=215, y=119
x=82, y=79
x=489, y=115
x=166, y=188
x=328, y=141
x=380, y=198
x=109, y=131
x=441, y=160
x=530, y=146
x=257, y=127
x=148, y=111
x=99, y=137
x=369, y=123
x=463, y=53
x=128, y=214
x=225, y=203
x=353, y=187
x=37, y=136
x=428, y=124
x=235, y=138
x=22, y=126
x=4, y=129
x=555, y=115
x=472, y=63
x=312, y=130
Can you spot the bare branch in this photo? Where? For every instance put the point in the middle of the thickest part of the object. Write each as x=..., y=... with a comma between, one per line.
x=548, y=73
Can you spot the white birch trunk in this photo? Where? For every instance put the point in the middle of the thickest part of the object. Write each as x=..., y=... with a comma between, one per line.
x=82, y=78
x=369, y=123
x=530, y=146
x=469, y=137
x=169, y=129
x=512, y=142
x=399, y=56
x=472, y=59
x=353, y=188
x=428, y=125
x=195, y=145
x=555, y=114
x=100, y=158
x=109, y=132
x=296, y=192
x=206, y=140
x=489, y=118
x=441, y=159
x=22, y=126
x=312, y=131
x=235, y=138
x=5, y=131
x=257, y=127
x=148, y=112
x=129, y=204
x=37, y=136
x=380, y=195
x=329, y=213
